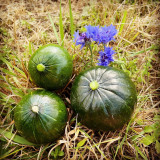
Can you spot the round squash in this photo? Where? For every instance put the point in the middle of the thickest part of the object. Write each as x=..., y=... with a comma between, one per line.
x=103, y=97
x=40, y=117
x=50, y=67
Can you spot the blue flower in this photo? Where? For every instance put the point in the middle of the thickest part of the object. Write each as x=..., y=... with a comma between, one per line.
x=95, y=33
x=81, y=39
x=106, y=57
x=92, y=32
x=106, y=34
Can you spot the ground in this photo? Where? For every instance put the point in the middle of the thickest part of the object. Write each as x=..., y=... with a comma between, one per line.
x=25, y=26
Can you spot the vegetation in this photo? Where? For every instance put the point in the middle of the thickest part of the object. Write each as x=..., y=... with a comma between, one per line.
x=27, y=25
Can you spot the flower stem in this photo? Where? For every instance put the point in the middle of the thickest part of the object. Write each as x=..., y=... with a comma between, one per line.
x=91, y=54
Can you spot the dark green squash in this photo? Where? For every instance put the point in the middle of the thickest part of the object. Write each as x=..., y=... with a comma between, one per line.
x=50, y=67
x=103, y=97
x=40, y=117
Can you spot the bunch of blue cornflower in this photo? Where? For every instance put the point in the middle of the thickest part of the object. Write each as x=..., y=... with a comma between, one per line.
x=100, y=35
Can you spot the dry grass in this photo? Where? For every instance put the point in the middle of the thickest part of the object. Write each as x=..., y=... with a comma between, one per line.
x=26, y=22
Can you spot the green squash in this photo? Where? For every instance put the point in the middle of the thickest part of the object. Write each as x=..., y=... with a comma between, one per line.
x=40, y=117
x=50, y=67
x=103, y=97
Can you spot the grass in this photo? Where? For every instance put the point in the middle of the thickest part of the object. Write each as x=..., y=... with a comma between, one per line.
x=26, y=25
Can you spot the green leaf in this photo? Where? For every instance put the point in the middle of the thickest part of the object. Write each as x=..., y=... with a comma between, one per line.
x=156, y=118
x=157, y=147
x=147, y=140
x=71, y=19
x=61, y=153
x=61, y=26
x=54, y=29
x=15, y=138
x=139, y=121
x=135, y=137
x=55, y=152
x=81, y=143
x=148, y=129
x=157, y=133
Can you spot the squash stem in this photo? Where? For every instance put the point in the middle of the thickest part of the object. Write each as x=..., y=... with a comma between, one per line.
x=94, y=85
x=35, y=109
x=40, y=67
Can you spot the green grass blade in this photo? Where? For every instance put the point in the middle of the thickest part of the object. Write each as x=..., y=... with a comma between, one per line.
x=30, y=48
x=4, y=98
x=71, y=19
x=101, y=152
x=17, y=58
x=119, y=146
x=20, y=71
x=10, y=153
x=15, y=138
x=122, y=23
x=139, y=151
x=61, y=26
x=40, y=154
x=7, y=72
x=9, y=65
x=135, y=36
x=54, y=29
x=17, y=82
x=153, y=47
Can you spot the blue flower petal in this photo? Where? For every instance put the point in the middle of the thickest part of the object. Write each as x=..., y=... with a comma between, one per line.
x=95, y=33
x=106, y=34
x=106, y=57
